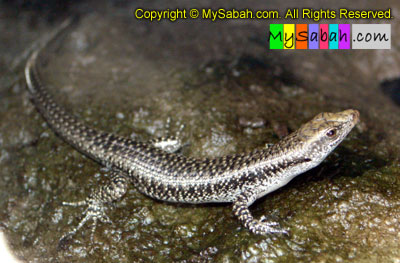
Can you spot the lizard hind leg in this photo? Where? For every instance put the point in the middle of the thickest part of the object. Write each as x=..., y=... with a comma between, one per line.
x=169, y=143
x=96, y=204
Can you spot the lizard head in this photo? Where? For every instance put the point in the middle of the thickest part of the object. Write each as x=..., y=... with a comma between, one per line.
x=324, y=132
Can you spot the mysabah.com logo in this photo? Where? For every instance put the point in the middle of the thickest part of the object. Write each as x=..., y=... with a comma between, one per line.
x=329, y=36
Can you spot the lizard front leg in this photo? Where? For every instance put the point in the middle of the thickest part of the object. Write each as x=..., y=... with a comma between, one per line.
x=241, y=210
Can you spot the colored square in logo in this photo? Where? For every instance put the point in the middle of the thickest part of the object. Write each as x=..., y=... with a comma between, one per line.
x=333, y=36
x=276, y=36
x=301, y=36
x=313, y=36
x=324, y=36
x=344, y=36
x=289, y=36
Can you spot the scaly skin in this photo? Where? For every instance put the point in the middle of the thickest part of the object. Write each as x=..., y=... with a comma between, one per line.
x=157, y=171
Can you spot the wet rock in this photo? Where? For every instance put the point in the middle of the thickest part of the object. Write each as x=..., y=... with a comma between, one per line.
x=280, y=129
x=391, y=88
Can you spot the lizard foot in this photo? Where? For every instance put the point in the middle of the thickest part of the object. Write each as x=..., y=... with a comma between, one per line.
x=95, y=211
x=265, y=228
x=260, y=227
x=171, y=144
x=96, y=204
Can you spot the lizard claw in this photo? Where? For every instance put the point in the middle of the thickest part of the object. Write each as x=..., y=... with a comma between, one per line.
x=265, y=228
x=265, y=220
x=282, y=231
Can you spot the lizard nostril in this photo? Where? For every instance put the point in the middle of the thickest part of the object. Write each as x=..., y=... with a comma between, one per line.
x=356, y=115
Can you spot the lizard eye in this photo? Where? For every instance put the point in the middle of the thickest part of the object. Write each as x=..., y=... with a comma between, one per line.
x=331, y=133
